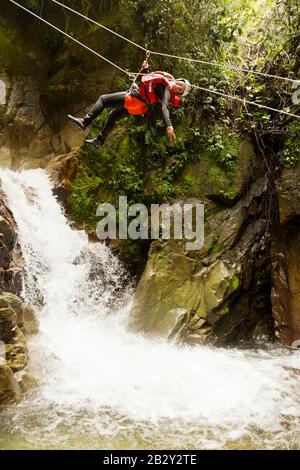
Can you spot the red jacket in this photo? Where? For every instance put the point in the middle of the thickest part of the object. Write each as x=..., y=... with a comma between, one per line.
x=149, y=83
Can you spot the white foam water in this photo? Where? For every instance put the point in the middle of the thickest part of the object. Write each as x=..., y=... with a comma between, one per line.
x=101, y=386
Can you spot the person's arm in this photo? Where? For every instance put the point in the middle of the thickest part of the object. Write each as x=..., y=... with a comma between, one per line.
x=145, y=67
x=166, y=113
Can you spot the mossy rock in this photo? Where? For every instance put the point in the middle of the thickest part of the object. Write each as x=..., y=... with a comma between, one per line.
x=174, y=284
x=16, y=352
x=10, y=391
x=7, y=299
x=8, y=324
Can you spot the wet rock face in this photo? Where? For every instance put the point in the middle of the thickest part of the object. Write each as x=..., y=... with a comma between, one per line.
x=8, y=324
x=16, y=320
x=26, y=139
x=10, y=255
x=176, y=290
x=62, y=170
x=244, y=283
x=286, y=259
x=15, y=352
x=218, y=294
x=10, y=391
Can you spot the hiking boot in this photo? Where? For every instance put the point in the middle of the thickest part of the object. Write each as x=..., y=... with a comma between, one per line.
x=96, y=141
x=80, y=122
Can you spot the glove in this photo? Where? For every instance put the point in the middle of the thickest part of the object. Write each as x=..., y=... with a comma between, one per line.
x=145, y=64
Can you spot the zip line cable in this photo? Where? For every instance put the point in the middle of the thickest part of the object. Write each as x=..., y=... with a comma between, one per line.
x=242, y=100
x=69, y=36
x=232, y=97
x=215, y=64
x=229, y=66
x=100, y=25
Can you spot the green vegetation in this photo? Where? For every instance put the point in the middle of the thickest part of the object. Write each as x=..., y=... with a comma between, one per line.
x=23, y=58
x=138, y=161
x=235, y=282
x=143, y=165
x=291, y=151
x=214, y=247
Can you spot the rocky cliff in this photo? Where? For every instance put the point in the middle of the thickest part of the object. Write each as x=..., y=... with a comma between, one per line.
x=286, y=258
x=17, y=320
x=27, y=138
x=222, y=292
x=243, y=283
x=10, y=255
x=42, y=79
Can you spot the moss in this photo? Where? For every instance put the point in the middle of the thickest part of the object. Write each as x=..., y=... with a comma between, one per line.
x=291, y=151
x=225, y=311
x=235, y=282
x=216, y=176
x=20, y=55
x=83, y=200
x=134, y=254
x=214, y=247
x=105, y=174
x=190, y=185
x=212, y=163
x=137, y=162
x=224, y=150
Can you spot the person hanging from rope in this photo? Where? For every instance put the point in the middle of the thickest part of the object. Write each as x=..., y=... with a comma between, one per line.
x=155, y=87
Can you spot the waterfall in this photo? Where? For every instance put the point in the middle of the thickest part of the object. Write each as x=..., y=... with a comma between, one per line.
x=103, y=386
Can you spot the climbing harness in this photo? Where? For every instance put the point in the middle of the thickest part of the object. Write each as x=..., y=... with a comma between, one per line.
x=149, y=83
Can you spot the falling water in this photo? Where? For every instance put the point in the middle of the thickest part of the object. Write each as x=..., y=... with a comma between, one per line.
x=101, y=386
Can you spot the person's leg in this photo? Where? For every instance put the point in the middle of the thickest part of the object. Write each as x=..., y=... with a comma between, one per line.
x=113, y=117
x=105, y=101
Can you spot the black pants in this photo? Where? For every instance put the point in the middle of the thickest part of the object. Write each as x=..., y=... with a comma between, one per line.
x=113, y=100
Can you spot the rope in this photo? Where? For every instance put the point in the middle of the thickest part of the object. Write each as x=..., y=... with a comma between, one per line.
x=232, y=97
x=188, y=59
x=242, y=100
x=232, y=67
x=100, y=25
x=140, y=71
x=41, y=8
x=70, y=37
